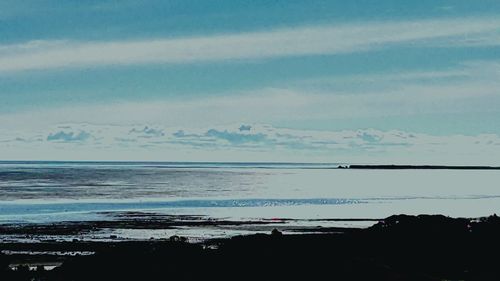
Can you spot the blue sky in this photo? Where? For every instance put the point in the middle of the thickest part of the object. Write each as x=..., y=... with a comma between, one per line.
x=78, y=79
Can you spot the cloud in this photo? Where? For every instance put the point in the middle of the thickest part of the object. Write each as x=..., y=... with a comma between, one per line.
x=469, y=88
x=191, y=121
x=69, y=136
x=147, y=132
x=268, y=137
x=296, y=41
x=245, y=128
x=236, y=137
x=263, y=143
x=369, y=138
x=477, y=92
x=179, y=134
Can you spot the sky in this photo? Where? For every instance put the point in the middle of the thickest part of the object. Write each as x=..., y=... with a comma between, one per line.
x=281, y=81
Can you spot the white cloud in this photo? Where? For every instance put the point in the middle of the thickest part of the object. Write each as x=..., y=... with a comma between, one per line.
x=384, y=95
x=197, y=130
x=260, y=143
x=297, y=41
x=480, y=72
x=63, y=136
x=272, y=105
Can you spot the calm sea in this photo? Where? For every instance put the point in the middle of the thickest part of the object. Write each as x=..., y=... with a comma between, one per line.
x=56, y=191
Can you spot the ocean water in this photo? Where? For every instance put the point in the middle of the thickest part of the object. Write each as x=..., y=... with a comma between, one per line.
x=58, y=191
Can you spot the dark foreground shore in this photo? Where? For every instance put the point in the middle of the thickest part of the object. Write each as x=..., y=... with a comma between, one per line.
x=396, y=248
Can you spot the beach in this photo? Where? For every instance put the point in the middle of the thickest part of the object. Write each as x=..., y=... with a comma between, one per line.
x=396, y=248
x=131, y=221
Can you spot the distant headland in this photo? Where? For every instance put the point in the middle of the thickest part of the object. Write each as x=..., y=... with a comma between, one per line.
x=418, y=167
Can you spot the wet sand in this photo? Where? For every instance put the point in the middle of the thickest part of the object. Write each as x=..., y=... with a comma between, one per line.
x=126, y=226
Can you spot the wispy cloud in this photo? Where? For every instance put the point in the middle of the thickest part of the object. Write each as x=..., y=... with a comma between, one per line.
x=470, y=88
x=310, y=40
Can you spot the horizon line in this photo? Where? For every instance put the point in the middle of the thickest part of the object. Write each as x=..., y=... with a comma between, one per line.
x=335, y=165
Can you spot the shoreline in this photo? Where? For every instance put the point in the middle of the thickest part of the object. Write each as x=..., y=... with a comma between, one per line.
x=400, y=247
x=141, y=225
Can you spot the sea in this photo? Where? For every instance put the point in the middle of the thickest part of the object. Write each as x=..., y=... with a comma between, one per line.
x=40, y=192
